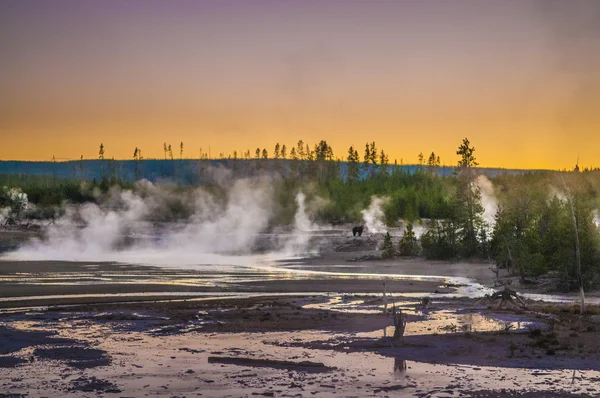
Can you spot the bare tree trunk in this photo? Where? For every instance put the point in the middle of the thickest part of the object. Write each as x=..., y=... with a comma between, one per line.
x=510, y=258
x=385, y=302
x=577, y=251
x=399, y=325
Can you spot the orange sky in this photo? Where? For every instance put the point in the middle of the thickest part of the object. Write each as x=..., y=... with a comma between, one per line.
x=520, y=79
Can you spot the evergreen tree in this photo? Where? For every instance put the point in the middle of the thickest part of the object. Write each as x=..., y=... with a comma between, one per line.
x=440, y=241
x=409, y=245
x=308, y=153
x=300, y=150
x=387, y=251
x=353, y=171
x=373, y=153
x=367, y=160
x=101, y=157
x=276, y=152
x=431, y=160
x=383, y=162
x=468, y=208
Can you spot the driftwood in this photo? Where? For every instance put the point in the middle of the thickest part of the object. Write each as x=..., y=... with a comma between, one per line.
x=399, y=327
x=503, y=297
x=272, y=363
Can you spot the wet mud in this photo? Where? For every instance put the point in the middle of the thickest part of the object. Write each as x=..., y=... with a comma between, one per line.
x=261, y=326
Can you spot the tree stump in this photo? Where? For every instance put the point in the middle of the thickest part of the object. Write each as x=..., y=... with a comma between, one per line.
x=399, y=327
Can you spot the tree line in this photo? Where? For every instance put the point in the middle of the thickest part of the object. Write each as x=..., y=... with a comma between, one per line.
x=542, y=216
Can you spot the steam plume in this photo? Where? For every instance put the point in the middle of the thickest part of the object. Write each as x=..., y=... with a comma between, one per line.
x=121, y=228
x=489, y=200
x=373, y=216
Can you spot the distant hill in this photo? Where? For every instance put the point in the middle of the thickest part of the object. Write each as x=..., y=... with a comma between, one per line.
x=186, y=171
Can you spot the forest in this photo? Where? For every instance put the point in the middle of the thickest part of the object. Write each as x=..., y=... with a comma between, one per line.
x=543, y=222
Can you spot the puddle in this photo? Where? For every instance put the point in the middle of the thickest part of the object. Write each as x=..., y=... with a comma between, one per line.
x=176, y=364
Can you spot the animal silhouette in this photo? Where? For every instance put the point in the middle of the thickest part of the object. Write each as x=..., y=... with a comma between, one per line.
x=357, y=231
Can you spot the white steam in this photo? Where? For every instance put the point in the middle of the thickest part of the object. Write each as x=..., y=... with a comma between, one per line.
x=596, y=218
x=4, y=214
x=17, y=197
x=303, y=226
x=489, y=201
x=121, y=228
x=558, y=194
x=419, y=230
x=18, y=201
x=373, y=216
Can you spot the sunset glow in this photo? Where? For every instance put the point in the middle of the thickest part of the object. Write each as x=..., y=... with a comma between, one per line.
x=521, y=79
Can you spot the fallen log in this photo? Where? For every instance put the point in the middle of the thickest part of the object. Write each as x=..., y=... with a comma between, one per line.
x=272, y=363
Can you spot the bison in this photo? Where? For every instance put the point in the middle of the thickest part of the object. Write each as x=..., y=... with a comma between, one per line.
x=357, y=231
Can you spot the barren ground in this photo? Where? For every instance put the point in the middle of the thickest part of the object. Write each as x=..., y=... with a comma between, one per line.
x=305, y=327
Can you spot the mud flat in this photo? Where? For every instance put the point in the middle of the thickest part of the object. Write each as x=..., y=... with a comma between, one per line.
x=31, y=283
x=297, y=346
x=271, y=326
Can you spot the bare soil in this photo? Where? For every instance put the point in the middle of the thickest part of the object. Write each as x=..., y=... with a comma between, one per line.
x=93, y=328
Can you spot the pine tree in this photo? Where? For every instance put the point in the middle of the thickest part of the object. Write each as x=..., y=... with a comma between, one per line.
x=409, y=245
x=468, y=208
x=383, y=162
x=300, y=150
x=353, y=171
x=373, y=154
x=367, y=160
x=431, y=161
x=387, y=251
x=101, y=157
x=276, y=152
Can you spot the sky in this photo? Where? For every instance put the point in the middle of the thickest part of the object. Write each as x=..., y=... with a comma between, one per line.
x=519, y=78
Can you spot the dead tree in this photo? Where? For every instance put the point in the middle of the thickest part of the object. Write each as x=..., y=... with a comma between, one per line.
x=577, y=251
x=425, y=302
x=503, y=297
x=399, y=326
x=399, y=365
x=385, y=301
